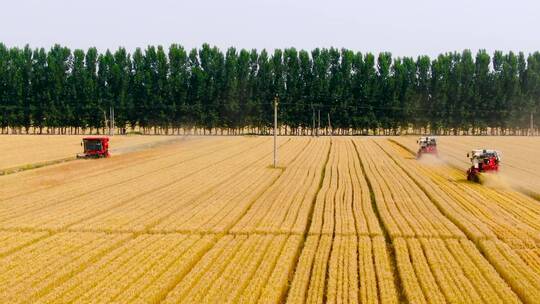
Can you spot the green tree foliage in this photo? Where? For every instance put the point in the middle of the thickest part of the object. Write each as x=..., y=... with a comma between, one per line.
x=205, y=89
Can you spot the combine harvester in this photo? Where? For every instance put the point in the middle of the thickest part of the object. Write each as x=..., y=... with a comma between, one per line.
x=95, y=147
x=428, y=145
x=483, y=161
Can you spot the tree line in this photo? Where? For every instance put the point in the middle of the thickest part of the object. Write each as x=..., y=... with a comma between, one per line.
x=207, y=90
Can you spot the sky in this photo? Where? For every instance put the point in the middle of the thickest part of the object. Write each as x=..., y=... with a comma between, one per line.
x=404, y=28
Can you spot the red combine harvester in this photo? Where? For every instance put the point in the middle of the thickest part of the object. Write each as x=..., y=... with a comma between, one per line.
x=428, y=145
x=95, y=147
x=482, y=161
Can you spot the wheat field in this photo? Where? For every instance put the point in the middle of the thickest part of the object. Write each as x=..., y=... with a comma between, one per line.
x=519, y=155
x=208, y=220
x=23, y=150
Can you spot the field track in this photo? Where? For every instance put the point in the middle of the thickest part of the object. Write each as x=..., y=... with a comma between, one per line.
x=207, y=220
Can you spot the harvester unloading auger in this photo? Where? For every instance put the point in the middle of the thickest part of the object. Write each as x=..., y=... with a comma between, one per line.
x=95, y=147
x=482, y=161
x=427, y=145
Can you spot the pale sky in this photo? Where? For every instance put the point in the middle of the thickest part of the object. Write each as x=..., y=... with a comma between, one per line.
x=405, y=28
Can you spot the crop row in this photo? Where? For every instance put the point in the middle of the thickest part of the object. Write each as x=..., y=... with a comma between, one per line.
x=141, y=270
x=344, y=257
x=21, y=150
x=405, y=209
x=105, y=171
x=34, y=270
x=74, y=179
x=482, y=214
x=55, y=209
x=496, y=212
x=341, y=220
x=520, y=169
x=254, y=262
x=147, y=266
x=451, y=270
x=462, y=278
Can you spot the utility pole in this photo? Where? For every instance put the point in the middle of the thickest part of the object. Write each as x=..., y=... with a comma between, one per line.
x=313, y=119
x=114, y=121
x=532, y=125
x=111, y=121
x=276, y=100
x=105, y=122
x=330, y=126
x=319, y=125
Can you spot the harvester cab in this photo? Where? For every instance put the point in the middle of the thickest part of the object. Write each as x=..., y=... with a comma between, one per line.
x=94, y=147
x=482, y=161
x=427, y=145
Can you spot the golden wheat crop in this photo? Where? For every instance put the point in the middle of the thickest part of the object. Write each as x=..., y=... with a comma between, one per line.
x=28, y=150
x=208, y=220
x=520, y=168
